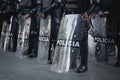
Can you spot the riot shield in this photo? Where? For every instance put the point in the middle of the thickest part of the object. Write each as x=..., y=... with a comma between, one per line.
x=22, y=43
x=5, y=35
x=68, y=43
x=44, y=36
x=13, y=34
x=104, y=43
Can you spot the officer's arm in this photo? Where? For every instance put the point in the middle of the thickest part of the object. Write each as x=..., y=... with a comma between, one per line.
x=52, y=8
x=94, y=8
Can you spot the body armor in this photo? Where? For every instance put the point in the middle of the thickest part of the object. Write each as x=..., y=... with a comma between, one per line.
x=76, y=6
x=47, y=3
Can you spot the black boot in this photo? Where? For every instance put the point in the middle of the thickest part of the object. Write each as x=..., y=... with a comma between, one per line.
x=82, y=69
x=49, y=61
x=32, y=55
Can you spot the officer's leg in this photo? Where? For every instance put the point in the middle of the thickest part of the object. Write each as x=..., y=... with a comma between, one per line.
x=52, y=41
x=30, y=45
x=84, y=56
x=117, y=40
x=15, y=35
x=1, y=22
x=84, y=52
x=14, y=43
x=55, y=32
x=35, y=48
x=50, y=45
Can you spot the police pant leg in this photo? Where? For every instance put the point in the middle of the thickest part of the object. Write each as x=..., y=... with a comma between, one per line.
x=35, y=45
x=117, y=41
x=53, y=38
x=30, y=45
x=55, y=34
x=117, y=36
x=50, y=45
x=84, y=50
x=14, y=43
x=1, y=23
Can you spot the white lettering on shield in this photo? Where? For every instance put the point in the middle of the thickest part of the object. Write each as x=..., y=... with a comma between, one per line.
x=68, y=43
x=104, y=40
x=44, y=39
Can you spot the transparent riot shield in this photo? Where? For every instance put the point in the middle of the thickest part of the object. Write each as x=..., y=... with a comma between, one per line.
x=68, y=43
x=22, y=43
x=44, y=37
x=103, y=43
x=5, y=35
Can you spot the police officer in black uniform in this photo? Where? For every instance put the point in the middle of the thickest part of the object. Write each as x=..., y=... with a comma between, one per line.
x=78, y=7
x=34, y=29
x=1, y=15
x=55, y=9
x=116, y=21
x=110, y=9
x=101, y=8
x=11, y=8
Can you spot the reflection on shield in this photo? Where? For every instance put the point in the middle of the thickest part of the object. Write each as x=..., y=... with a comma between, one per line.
x=68, y=43
x=22, y=44
x=44, y=35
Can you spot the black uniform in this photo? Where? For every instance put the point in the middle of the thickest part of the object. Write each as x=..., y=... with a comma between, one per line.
x=9, y=8
x=113, y=20
x=55, y=10
x=102, y=48
x=1, y=15
x=34, y=29
x=115, y=11
x=78, y=7
x=14, y=34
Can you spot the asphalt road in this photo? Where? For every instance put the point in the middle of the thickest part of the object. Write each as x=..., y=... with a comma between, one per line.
x=14, y=68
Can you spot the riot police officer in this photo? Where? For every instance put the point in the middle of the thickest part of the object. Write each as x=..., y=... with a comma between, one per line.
x=10, y=8
x=1, y=15
x=55, y=9
x=34, y=29
x=110, y=10
x=102, y=31
x=116, y=21
x=78, y=7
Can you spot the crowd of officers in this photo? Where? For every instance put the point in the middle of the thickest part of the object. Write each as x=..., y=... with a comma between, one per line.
x=57, y=9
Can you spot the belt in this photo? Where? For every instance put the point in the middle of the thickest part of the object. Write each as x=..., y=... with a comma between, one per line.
x=71, y=6
x=72, y=11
